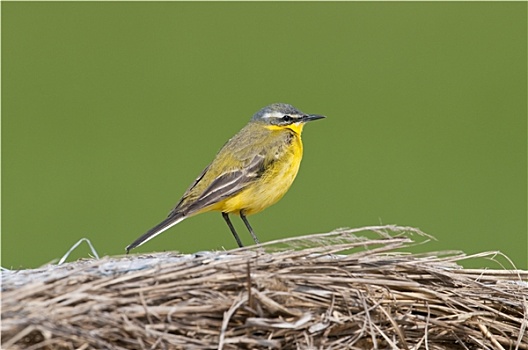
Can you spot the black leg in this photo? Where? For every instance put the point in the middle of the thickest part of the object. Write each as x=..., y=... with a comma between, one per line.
x=249, y=227
x=232, y=228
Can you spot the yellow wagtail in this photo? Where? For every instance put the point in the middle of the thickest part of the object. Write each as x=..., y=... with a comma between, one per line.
x=252, y=171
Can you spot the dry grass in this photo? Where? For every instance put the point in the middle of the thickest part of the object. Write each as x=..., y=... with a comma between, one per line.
x=290, y=294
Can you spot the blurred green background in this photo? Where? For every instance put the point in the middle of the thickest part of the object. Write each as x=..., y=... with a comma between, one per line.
x=110, y=111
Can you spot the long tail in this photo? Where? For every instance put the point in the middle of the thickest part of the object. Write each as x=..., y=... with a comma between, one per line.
x=172, y=220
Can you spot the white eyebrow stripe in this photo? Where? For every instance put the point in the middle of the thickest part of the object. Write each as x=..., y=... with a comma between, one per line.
x=272, y=115
x=277, y=115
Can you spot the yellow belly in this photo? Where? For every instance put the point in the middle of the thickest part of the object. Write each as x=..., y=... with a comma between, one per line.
x=266, y=191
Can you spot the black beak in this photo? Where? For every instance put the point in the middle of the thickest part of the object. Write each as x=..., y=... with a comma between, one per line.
x=309, y=118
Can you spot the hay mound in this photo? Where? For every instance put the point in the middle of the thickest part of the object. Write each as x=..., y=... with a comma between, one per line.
x=294, y=293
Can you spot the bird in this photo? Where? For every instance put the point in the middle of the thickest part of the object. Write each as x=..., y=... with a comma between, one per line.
x=253, y=170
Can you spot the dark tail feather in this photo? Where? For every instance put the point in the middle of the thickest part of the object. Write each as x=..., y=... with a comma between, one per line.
x=172, y=220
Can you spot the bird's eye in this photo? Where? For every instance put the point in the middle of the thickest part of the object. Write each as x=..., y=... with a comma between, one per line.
x=287, y=118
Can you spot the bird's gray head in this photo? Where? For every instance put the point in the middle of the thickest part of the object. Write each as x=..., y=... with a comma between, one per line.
x=282, y=114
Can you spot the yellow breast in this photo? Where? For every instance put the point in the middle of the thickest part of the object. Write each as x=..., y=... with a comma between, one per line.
x=274, y=183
